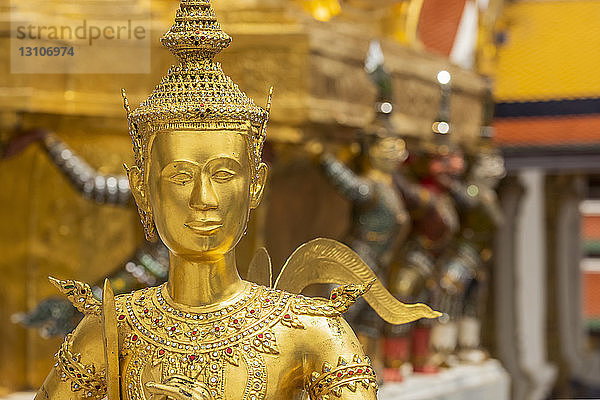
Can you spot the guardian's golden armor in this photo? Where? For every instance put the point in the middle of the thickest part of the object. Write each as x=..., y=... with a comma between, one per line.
x=206, y=333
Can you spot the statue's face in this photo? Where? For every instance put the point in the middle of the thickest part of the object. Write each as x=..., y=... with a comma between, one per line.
x=387, y=154
x=200, y=192
x=449, y=166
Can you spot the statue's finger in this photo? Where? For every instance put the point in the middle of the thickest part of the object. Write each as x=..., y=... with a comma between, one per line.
x=168, y=390
x=179, y=379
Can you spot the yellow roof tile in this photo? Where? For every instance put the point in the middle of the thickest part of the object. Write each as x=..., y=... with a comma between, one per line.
x=552, y=51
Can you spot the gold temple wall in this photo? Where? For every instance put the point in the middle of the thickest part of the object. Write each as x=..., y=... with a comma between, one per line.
x=321, y=91
x=49, y=229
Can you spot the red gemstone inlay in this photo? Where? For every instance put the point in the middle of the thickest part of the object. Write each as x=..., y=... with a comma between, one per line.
x=228, y=350
x=79, y=375
x=173, y=329
x=287, y=316
x=260, y=335
x=134, y=337
x=333, y=296
x=339, y=374
x=161, y=352
x=194, y=332
x=121, y=317
x=350, y=372
x=192, y=358
x=145, y=310
x=251, y=311
x=235, y=321
x=359, y=371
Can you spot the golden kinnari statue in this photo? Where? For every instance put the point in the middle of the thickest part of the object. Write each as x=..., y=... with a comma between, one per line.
x=206, y=333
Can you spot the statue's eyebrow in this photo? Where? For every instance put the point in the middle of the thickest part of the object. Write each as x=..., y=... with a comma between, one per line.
x=230, y=161
x=178, y=163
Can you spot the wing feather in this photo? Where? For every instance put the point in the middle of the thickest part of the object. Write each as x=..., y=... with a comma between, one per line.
x=260, y=270
x=329, y=261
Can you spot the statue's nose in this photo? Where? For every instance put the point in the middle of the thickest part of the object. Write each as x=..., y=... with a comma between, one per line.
x=203, y=195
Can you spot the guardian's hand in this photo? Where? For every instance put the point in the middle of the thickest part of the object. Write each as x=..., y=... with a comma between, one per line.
x=21, y=141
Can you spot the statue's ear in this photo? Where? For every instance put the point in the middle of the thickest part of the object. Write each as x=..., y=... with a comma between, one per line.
x=258, y=186
x=138, y=188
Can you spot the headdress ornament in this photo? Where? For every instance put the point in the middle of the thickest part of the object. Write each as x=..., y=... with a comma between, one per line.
x=196, y=94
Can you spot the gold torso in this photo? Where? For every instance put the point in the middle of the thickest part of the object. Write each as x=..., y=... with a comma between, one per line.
x=251, y=348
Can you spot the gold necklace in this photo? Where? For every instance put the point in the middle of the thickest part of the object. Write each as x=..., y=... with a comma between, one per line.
x=162, y=341
x=199, y=345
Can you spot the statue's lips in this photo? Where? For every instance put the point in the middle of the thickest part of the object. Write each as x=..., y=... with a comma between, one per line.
x=207, y=227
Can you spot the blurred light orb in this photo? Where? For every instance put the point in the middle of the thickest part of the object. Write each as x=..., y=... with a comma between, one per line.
x=441, y=127
x=386, y=107
x=321, y=13
x=322, y=10
x=473, y=190
x=444, y=77
x=444, y=127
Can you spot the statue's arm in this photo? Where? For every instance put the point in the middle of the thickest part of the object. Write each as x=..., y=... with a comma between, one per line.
x=418, y=200
x=107, y=189
x=336, y=365
x=345, y=180
x=79, y=370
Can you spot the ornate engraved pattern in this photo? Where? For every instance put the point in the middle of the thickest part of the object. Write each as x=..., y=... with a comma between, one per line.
x=200, y=345
x=331, y=380
x=197, y=346
x=82, y=377
x=80, y=294
x=344, y=296
x=196, y=93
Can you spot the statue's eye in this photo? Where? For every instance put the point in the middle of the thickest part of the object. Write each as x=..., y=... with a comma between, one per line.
x=181, y=178
x=223, y=175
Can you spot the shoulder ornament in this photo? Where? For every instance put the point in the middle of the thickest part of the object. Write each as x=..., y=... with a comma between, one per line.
x=83, y=378
x=340, y=300
x=345, y=375
x=80, y=295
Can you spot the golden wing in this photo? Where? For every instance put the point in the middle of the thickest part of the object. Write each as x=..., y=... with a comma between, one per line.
x=329, y=261
x=260, y=270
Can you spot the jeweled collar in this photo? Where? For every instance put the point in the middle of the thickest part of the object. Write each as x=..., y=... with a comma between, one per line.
x=157, y=321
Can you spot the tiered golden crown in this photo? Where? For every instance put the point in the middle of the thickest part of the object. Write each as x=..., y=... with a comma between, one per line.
x=196, y=94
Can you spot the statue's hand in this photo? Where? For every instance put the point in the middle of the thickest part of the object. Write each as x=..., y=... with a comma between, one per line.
x=53, y=316
x=21, y=141
x=180, y=387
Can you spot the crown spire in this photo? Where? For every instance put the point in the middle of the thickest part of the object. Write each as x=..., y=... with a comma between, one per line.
x=196, y=33
x=196, y=94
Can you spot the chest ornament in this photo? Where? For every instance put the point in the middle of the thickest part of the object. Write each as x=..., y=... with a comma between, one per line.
x=201, y=345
